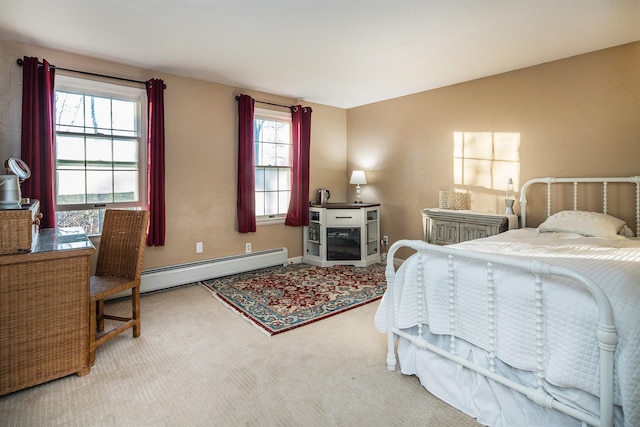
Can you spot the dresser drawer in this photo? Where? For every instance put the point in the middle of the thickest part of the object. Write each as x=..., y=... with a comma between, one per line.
x=343, y=217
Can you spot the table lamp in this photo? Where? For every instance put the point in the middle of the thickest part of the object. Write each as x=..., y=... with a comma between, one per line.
x=357, y=178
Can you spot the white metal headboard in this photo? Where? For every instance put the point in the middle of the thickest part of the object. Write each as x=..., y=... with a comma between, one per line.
x=604, y=181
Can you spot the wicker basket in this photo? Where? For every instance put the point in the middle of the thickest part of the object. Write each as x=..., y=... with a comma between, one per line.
x=19, y=228
x=453, y=200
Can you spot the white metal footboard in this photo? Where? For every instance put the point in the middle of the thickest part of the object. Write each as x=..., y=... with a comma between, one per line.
x=605, y=334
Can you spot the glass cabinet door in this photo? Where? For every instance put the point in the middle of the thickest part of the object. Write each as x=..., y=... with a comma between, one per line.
x=372, y=227
x=313, y=235
x=343, y=243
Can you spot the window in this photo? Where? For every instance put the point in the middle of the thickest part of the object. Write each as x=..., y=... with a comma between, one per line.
x=99, y=151
x=272, y=158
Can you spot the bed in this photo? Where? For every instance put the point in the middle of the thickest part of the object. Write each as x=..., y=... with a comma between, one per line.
x=532, y=327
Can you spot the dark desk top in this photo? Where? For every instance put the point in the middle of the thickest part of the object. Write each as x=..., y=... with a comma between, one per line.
x=54, y=243
x=345, y=205
x=61, y=239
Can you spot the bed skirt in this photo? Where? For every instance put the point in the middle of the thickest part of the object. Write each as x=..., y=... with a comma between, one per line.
x=489, y=402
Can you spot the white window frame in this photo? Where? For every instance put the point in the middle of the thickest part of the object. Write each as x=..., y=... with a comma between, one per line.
x=99, y=88
x=281, y=116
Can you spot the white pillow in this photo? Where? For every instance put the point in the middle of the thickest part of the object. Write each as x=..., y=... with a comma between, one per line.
x=585, y=223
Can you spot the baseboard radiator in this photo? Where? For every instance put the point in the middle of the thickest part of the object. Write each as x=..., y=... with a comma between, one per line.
x=176, y=275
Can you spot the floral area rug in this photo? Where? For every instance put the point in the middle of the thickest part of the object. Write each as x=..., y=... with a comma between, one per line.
x=279, y=299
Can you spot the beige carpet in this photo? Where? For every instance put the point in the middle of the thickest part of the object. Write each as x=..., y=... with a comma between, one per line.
x=199, y=364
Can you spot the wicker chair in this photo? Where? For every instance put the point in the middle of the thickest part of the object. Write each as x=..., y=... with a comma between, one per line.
x=118, y=268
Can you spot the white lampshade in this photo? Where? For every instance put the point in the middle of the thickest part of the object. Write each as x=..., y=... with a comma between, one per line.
x=358, y=177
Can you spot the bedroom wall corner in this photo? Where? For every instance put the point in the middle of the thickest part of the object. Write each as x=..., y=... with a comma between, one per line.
x=201, y=141
x=578, y=116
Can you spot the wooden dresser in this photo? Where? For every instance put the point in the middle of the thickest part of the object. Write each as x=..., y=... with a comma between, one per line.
x=44, y=310
x=446, y=227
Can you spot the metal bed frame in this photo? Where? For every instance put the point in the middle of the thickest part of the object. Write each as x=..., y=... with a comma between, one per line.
x=605, y=335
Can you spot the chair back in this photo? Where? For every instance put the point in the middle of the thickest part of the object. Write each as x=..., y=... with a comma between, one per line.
x=122, y=243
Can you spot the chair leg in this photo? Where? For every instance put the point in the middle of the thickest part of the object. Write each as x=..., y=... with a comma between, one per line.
x=100, y=315
x=135, y=300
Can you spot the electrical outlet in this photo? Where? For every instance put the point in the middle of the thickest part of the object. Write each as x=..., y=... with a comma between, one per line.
x=199, y=248
x=247, y=247
x=385, y=240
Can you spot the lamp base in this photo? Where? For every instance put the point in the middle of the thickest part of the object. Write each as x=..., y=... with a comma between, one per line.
x=358, y=194
x=509, y=203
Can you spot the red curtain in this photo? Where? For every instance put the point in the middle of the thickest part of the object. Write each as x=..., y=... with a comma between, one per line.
x=298, y=213
x=38, y=106
x=246, y=201
x=155, y=160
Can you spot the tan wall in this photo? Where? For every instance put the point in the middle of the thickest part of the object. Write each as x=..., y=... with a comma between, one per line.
x=201, y=153
x=574, y=117
x=579, y=116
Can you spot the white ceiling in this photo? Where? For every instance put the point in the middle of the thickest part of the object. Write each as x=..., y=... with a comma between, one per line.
x=342, y=53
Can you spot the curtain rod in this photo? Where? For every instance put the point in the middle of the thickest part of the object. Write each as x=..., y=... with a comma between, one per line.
x=268, y=103
x=19, y=61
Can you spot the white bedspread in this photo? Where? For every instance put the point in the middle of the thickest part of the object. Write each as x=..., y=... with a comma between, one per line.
x=571, y=355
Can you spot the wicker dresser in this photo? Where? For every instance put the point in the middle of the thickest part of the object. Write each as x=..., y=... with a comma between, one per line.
x=44, y=310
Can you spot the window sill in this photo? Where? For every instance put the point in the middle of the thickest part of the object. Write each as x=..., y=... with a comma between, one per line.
x=270, y=220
